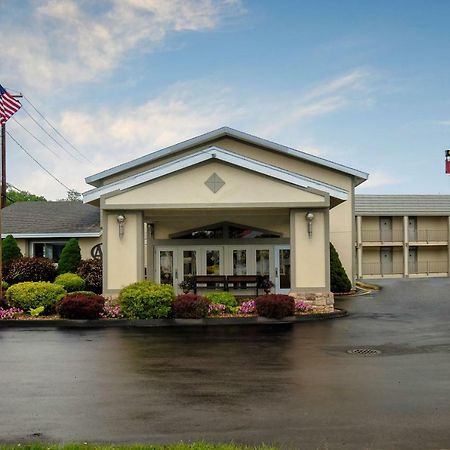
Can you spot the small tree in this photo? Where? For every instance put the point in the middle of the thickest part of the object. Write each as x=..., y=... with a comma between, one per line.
x=338, y=278
x=70, y=257
x=10, y=250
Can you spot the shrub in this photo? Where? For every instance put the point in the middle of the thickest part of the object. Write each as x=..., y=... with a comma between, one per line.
x=91, y=272
x=5, y=285
x=70, y=257
x=10, y=250
x=30, y=295
x=275, y=306
x=81, y=293
x=82, y=307
x=146, y=300
x=248, y=307
x=224, y=298
x=111, y=311
x=216, y=309
x=71, y=282
x=3, y=302
x=30, y=269
x=190, y=306
x=339, y=281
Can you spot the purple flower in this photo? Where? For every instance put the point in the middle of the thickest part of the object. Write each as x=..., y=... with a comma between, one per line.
x=301, y=306
x=9, y=313
x=248, y=307
x=215, y=309
x=111, y=312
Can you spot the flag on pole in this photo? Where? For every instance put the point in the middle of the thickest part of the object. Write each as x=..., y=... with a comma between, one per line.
x=8, y=105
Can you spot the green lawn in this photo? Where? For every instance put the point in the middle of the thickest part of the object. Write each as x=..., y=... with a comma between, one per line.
x=179, y=446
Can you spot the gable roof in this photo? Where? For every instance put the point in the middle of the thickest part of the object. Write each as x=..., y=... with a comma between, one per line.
x=95, y=180
x=51, y=219
x=216, y=153
x=402, y=205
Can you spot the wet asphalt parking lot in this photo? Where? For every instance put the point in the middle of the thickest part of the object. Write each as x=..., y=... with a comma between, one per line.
x=291, y=385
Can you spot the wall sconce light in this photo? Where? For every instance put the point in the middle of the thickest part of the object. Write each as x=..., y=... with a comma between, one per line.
x=121, y=221
x=309, y=218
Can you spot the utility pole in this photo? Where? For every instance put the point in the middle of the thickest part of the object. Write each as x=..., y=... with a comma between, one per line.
x=3, y=193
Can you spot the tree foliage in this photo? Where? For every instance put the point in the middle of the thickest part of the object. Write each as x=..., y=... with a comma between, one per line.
x=10, y=250
x=70, y=257
x=338, y=277
x=14, y=195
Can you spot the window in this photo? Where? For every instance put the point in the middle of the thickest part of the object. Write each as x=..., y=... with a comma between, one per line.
x=50, y=250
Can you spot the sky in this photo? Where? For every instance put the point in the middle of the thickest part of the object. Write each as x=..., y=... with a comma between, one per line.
x=362, y=83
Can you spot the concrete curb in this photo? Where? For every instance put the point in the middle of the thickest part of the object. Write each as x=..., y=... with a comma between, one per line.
x=125, y=323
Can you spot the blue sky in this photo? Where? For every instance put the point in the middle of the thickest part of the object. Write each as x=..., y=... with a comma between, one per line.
x=362, y=83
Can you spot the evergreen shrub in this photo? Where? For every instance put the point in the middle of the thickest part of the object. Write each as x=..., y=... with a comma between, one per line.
x=146, y=300
x=30, y=295
x=91, y=272
x=70, y=282
x=339, y=281
x=70, y=257
x=10, y=250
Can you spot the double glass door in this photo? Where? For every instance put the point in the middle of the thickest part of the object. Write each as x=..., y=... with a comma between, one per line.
x=175, y=264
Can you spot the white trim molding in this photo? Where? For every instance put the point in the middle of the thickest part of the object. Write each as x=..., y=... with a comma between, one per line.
x=216, y=153
x=52, y=235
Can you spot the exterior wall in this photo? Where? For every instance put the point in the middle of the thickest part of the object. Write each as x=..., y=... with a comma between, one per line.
x=123, y=258
x=309, y=262
x=86, y=245
x=240, y=188
x=23, y=245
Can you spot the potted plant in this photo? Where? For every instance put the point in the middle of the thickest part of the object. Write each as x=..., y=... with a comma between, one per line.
x=267, y=285
x=187, y=285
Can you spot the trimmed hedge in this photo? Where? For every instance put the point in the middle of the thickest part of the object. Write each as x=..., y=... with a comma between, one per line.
x=275, y=306
x=81, y=307
x=30, y=269
x=190, y=306
x=70, y=257
x=91, y=272
x=71, y=282
x=224, y=298
x=146, y=300
x=30, y=295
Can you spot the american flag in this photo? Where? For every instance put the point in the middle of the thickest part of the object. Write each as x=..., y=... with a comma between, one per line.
x=8, y=105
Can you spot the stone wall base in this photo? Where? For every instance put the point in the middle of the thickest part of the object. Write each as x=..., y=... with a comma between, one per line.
x=324, y=301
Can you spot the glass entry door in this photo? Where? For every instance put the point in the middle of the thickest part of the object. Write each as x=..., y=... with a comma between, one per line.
x=166, y=266
x=282, y=269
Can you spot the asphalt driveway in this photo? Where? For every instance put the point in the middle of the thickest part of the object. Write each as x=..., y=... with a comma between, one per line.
x=291, y=385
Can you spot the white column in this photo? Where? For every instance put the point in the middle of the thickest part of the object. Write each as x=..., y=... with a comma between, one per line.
x=405, y=247
x=359, y=247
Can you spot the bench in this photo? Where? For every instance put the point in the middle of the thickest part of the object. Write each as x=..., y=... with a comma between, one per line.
x=243, y=282
x=211, y=281
x=227, y=282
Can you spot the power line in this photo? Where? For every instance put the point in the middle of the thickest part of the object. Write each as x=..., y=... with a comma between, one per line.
x=48, y=134
x=37, y=162
x=35, y=137
x=56, y=131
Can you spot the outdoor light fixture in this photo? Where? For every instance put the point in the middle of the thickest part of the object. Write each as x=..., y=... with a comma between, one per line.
x=121, y=221
x=309, y=218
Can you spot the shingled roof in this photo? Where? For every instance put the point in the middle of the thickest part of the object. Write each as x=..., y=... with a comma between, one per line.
x=402, y=205
x=23, y=219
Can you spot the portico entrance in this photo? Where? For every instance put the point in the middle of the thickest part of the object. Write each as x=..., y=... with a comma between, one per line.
x=174, y=264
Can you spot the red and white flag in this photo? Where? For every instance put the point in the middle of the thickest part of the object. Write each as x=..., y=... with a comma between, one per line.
x=8, y=105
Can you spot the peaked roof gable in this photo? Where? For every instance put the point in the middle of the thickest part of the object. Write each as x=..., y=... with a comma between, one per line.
x=217, y=153
x=95, y=180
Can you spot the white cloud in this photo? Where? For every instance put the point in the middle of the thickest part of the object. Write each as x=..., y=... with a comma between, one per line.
x=444, y=122
x=66, y=43
x=379, y=179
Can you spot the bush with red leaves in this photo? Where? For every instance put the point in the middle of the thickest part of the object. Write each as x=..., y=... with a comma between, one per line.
x=81, y=306
x=30, y=269
x=190, y=306
x=91, y=272
x=275, y=306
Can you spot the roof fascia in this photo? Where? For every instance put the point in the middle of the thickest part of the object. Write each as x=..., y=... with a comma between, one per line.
x=52, y=235
x=223, y=132
x=222, y=155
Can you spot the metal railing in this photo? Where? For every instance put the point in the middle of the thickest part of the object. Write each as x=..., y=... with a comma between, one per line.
x=379, y=236
x=428, y=267
x=428, y=236
x=376, y=268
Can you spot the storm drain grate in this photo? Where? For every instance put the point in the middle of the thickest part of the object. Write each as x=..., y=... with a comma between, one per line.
x=363, y=351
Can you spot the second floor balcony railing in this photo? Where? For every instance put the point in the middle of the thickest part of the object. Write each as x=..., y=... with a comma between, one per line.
x=428, y=267
x=382, y=235
x=378, y=269
x=428, y=236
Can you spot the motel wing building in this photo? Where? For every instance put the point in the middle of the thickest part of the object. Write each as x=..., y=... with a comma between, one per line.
x=226, y=203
